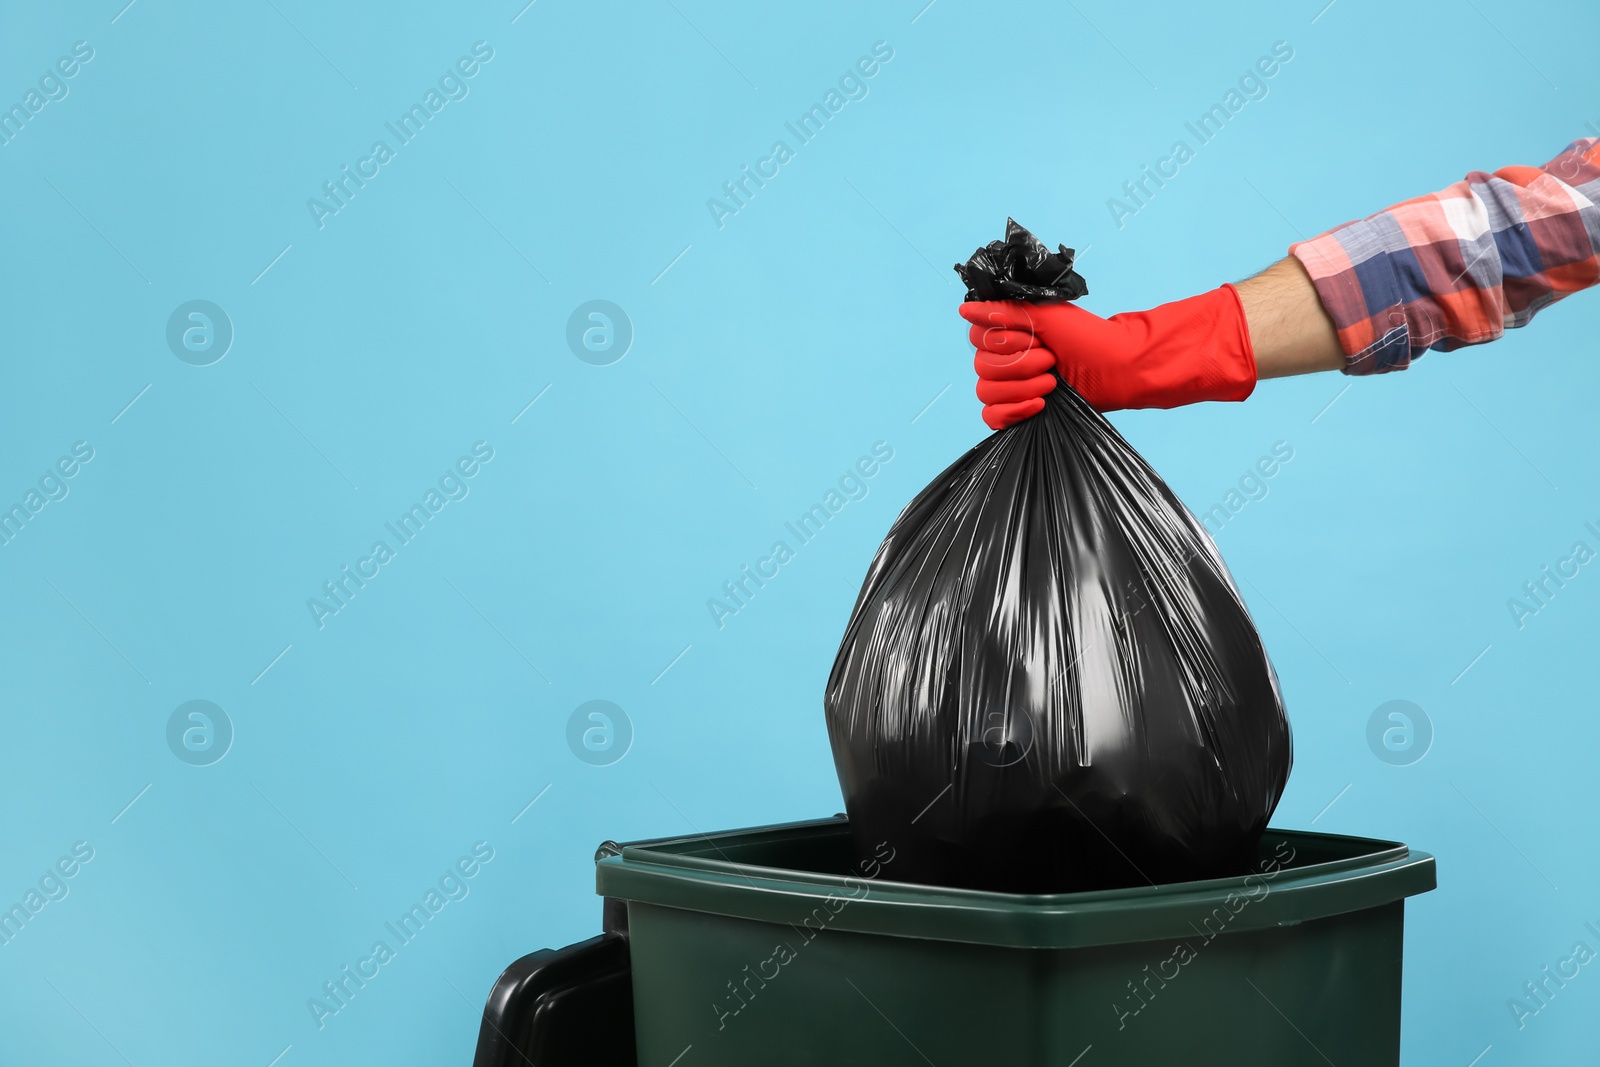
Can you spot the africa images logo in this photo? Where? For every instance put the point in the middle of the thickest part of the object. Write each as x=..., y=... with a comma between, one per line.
x=452, y=486
x=452, y=87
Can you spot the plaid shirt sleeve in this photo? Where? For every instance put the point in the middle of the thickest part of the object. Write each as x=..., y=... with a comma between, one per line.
x=1460, y=266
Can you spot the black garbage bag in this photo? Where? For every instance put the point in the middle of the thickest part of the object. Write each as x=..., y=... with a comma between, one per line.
x=1049, y=681
x=1022, y=268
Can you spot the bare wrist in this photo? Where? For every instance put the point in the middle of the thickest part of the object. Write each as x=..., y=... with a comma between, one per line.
x=1289, y=330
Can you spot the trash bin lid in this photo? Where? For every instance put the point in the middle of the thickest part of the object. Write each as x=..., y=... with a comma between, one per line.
x=782, y=873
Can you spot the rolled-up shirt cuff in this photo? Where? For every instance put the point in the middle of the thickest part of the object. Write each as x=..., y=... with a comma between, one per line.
x=1357, y=277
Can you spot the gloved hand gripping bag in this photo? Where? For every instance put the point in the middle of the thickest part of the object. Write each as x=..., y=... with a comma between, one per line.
x=1049, y=681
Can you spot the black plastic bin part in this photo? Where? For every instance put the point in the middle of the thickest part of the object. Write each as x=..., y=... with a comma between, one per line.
x=562, y=1006
x=566, y=1007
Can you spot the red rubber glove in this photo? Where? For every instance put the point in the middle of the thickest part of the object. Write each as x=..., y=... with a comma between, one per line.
x=1175, y=354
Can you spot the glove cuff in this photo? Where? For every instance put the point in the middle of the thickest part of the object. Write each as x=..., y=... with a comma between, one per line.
x=1231, y=374
x=1192, y=350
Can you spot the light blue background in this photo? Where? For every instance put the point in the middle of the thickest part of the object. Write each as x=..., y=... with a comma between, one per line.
x=776, y=350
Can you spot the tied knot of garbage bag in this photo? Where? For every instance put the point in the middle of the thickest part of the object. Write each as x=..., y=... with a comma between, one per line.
x=1049, y=681
x=1022, y=268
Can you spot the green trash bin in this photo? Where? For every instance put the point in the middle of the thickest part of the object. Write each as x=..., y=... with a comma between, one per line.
x=775, y=946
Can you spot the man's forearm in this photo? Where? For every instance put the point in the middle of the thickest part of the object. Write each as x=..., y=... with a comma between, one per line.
x=1289, y=330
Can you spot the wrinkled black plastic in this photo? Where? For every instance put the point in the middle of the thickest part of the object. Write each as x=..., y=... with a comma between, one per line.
x=1050, y=682
x=1021, y=268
